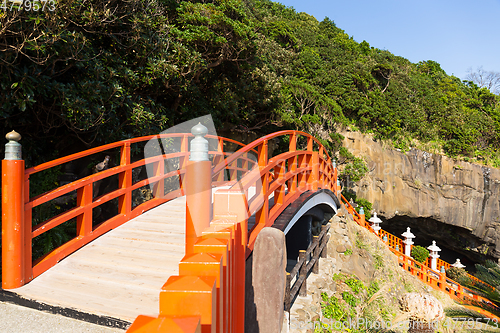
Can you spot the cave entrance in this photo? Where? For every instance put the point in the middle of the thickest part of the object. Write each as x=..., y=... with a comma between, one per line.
x=455, y=242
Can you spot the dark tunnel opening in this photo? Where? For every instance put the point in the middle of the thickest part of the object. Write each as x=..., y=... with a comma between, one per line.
x=454, y=242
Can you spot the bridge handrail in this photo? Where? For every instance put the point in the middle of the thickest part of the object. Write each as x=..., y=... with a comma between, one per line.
x=439, y=281
x=86, y=202
x=421, y=270
x=255, y=144
x=295, y=172
x=122, y=143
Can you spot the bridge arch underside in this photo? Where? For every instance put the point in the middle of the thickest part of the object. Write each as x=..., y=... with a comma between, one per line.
x=302, y=220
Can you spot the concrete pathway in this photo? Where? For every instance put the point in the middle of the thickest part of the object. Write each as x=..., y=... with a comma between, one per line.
x=18, y=319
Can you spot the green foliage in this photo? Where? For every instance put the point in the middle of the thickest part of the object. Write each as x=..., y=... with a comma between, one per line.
x=95, y=72
x=489, y=272
x=348, y=252
x=350, y=304
x=367, y=207
x=419, y=253
x=360, y=244
x=379, y=260
x=349, y=298
x=331, y=307
x=355, y=284
x=459, y=275
x=354, y=170
x=361, y=202
x=372, y=289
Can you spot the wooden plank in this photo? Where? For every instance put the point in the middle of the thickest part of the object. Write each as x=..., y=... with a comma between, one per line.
x=121, y=273
x=119, y=257
x=155, y=227
x=146, y=277
x=140, y=244
x=167, y=238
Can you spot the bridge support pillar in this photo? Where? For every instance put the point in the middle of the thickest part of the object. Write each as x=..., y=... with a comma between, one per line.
x=13, y=258
x=198, y=180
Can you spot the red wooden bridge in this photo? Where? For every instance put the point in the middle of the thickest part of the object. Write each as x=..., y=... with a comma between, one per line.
x=181, y=253
x=173, y=261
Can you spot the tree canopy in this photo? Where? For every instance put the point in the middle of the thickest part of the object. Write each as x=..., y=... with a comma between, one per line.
x=92, y=72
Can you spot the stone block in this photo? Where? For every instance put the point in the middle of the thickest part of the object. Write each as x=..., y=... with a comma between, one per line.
x=267, y=282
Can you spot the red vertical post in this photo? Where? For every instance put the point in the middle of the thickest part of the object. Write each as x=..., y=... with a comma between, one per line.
x=28, y=266
x=13, y=214
x=314, y=176
x=183, y=163
x=292, y=164
x=159, y=170
x=84, y=220
x=262, y=214
x=198, y=180
x=279, y=193
x=125, y=181
x=218, y=159
x=233, y=205
x=334, y=167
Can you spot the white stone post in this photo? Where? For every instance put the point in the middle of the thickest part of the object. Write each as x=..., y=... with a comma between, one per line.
x=375, y=221
x=408, y=241
x=433, y=249
x=458, y=264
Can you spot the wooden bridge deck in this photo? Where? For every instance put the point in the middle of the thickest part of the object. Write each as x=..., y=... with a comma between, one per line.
x=120, y=274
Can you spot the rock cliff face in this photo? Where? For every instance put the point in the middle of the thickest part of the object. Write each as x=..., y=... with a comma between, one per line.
x=455, y=202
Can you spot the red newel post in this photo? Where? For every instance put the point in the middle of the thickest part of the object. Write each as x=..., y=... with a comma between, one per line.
x=12, y=214
x=198, y=180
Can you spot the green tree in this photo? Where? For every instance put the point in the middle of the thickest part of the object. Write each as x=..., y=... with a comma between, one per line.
x=419, y=253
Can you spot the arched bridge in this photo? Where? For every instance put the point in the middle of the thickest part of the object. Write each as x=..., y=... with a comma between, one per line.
x=164, y=249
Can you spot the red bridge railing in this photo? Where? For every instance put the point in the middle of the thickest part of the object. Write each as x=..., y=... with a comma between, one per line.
x=210, y=289
x=435, y=279
x=17, y=206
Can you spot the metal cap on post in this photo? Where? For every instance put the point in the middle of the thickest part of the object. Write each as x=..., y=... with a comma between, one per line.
x=13, y=147
x=198, y=179
x=199, y=145
x=13, y=254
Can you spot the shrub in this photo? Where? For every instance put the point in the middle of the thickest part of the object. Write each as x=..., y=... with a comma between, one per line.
x=459, y=275
x=355, y=285
x=367, y=207
x=419, y=253
x=349, y=298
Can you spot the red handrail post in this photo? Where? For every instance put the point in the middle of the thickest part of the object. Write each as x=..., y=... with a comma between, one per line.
x=183, y=163
x=334, y=166
x=13, y=265
x=125, y=181
x=314, y=178
x=84, y=221
x=263, y=158
x=362, y=219
x=442, y=281
x=198, y=180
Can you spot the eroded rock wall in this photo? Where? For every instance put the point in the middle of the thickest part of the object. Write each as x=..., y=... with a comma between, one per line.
x=418, y=184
